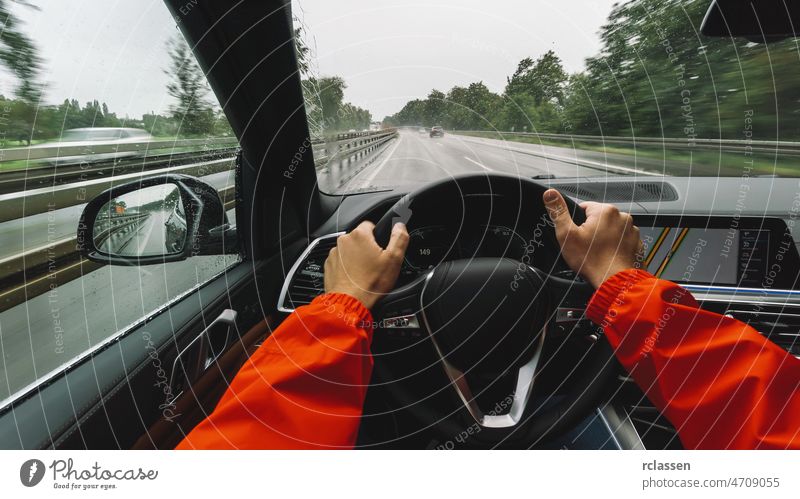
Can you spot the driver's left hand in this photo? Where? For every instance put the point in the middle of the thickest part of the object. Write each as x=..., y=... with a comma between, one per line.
x=359, y=267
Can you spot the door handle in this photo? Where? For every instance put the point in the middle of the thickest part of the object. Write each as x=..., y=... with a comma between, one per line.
x=193, y=360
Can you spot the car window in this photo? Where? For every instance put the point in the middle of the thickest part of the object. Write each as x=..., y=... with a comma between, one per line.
x=86, y=75
x=587, y=88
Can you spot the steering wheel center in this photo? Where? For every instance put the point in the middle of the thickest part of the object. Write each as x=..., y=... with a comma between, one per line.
x=487, y=315
x=483, y=342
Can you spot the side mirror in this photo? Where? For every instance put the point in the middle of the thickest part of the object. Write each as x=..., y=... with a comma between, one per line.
x=161, y=219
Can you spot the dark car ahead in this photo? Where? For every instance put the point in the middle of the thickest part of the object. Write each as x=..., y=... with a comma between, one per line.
x=437, y=131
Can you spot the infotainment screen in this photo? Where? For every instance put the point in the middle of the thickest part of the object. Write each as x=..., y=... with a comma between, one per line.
x=701, y=255
x=722, y=251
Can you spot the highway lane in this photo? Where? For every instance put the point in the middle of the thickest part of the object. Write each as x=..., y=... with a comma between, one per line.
x=148, y=238
x=415, y=158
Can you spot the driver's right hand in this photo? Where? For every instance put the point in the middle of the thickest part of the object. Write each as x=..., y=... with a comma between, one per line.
x=606, y=243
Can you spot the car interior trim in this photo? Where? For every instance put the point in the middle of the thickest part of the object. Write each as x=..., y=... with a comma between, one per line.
x=282, y=305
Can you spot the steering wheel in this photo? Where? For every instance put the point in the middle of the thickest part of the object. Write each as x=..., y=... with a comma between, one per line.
x=487, y=318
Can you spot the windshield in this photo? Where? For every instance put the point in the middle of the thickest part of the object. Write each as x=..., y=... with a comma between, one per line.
x=539, y=89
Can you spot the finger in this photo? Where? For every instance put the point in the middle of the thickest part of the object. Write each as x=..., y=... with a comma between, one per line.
x=364, y=228
x=365, y=233
x=591, y=207
x=398, y=242
x=328, y=269
x=557, y=209
x=630, y=227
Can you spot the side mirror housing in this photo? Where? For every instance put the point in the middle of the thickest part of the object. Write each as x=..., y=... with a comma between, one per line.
x=161, y=219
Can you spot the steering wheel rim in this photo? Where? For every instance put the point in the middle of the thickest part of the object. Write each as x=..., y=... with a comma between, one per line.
x=589, y=388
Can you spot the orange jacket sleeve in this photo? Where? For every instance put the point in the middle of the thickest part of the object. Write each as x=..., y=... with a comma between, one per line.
x=303, y=388
x=719, y=382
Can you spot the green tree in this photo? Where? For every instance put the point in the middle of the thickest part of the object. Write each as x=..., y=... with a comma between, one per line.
x=543, y=79
x=435, y=108
x=20, y=56
x=331, y=97
x=188, y=86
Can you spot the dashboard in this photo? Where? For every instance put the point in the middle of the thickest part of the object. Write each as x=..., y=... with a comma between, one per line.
x=740, y=260
x=699, y=248
x=722, y=251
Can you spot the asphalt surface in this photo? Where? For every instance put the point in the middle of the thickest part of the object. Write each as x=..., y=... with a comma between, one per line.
x=415, y=158
x=50, y=330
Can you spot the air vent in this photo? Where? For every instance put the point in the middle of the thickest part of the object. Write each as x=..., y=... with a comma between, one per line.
x=305, y=280
x=618, y=192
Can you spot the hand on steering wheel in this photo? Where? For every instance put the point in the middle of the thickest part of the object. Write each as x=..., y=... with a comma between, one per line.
x=606, y=243
x=359, y=267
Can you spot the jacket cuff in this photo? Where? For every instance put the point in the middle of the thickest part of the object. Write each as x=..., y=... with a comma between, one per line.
x=612, y=292
x=349, y=308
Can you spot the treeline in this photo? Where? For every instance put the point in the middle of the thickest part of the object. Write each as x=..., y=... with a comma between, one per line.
x=23, y=123
x=654, y=76
x=324, y=98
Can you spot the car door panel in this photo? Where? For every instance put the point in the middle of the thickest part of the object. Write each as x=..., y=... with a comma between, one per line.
x=112, y=397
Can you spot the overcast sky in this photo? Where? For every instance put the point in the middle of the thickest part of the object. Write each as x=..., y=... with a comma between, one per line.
x=109, y=50
x=388, y=51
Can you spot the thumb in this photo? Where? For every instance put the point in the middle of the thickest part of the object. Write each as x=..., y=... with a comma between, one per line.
x=559, y=214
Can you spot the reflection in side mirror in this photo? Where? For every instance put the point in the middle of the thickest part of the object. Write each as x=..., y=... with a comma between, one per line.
x=146, y=222
x=156, y=220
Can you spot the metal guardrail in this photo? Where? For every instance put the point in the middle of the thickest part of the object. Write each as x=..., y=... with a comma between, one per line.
x=782, y=148
x=148, y=148
x=345, y=146
x=20, y=204
x=23, y=204
x=106, y=227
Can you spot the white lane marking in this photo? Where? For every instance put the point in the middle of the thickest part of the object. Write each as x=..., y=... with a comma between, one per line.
x=575, y=161
x=439, y=144
x=476, y=163
x=143, y=242
x=368, y=181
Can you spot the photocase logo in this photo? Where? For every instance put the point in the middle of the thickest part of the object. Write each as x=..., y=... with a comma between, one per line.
x=31, y=472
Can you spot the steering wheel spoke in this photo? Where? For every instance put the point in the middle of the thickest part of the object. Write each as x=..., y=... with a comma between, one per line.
x=522, y=391
x=399, y=310
x=570, y=297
